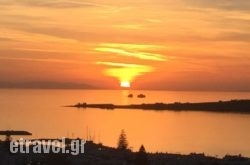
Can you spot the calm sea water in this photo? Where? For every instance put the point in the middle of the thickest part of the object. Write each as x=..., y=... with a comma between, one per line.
x=42, y=113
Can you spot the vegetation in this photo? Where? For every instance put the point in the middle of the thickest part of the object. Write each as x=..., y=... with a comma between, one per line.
x=141, y=157
x=122, y=141
x=97, y=154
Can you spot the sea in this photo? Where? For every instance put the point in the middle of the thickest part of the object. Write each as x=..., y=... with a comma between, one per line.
x=43, y=113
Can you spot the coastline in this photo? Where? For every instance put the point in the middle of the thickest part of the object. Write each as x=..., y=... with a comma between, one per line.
x=233, y=106
x=100, y=154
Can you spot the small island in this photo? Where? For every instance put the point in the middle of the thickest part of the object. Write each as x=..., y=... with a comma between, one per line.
x=235, y=106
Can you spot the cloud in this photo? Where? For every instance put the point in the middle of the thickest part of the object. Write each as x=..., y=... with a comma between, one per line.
x=49, y=50
x=52, y=3
x=124, y=71
x=133, y=46
x=130, y=26
x=5, y=39
x=115, y=64
x=140, y=55
x=242, y=5
x=59, y=32
x=38, y=60
x=131, y=50
x=234, y=36
x=26, y=36
x=151, y=20
x=224, y=37
x=35, y=25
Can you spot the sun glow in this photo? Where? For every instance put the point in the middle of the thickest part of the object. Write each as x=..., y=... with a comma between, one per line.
x=125, y=73
x=125, y=84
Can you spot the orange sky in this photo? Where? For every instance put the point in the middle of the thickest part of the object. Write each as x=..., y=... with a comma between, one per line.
x=160, y=44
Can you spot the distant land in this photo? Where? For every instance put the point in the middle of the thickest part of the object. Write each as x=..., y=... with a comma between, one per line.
x=45, y=85
x=83, y=85
x=236, y=106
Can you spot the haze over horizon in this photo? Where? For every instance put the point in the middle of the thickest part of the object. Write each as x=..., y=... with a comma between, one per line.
x=161, y=44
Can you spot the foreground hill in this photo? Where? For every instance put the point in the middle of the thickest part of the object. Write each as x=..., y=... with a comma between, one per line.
x=98, y=154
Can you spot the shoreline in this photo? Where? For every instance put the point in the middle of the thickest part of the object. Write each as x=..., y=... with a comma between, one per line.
x=233, y=106
x=110, y=155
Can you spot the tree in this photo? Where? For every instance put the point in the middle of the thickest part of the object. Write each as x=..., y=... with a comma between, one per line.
x=141, y=157
x=122, y=141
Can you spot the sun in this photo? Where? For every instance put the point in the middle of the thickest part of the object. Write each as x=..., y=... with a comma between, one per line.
x=125, y=84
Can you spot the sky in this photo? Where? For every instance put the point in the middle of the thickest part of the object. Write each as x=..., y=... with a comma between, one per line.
x=152, y=44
